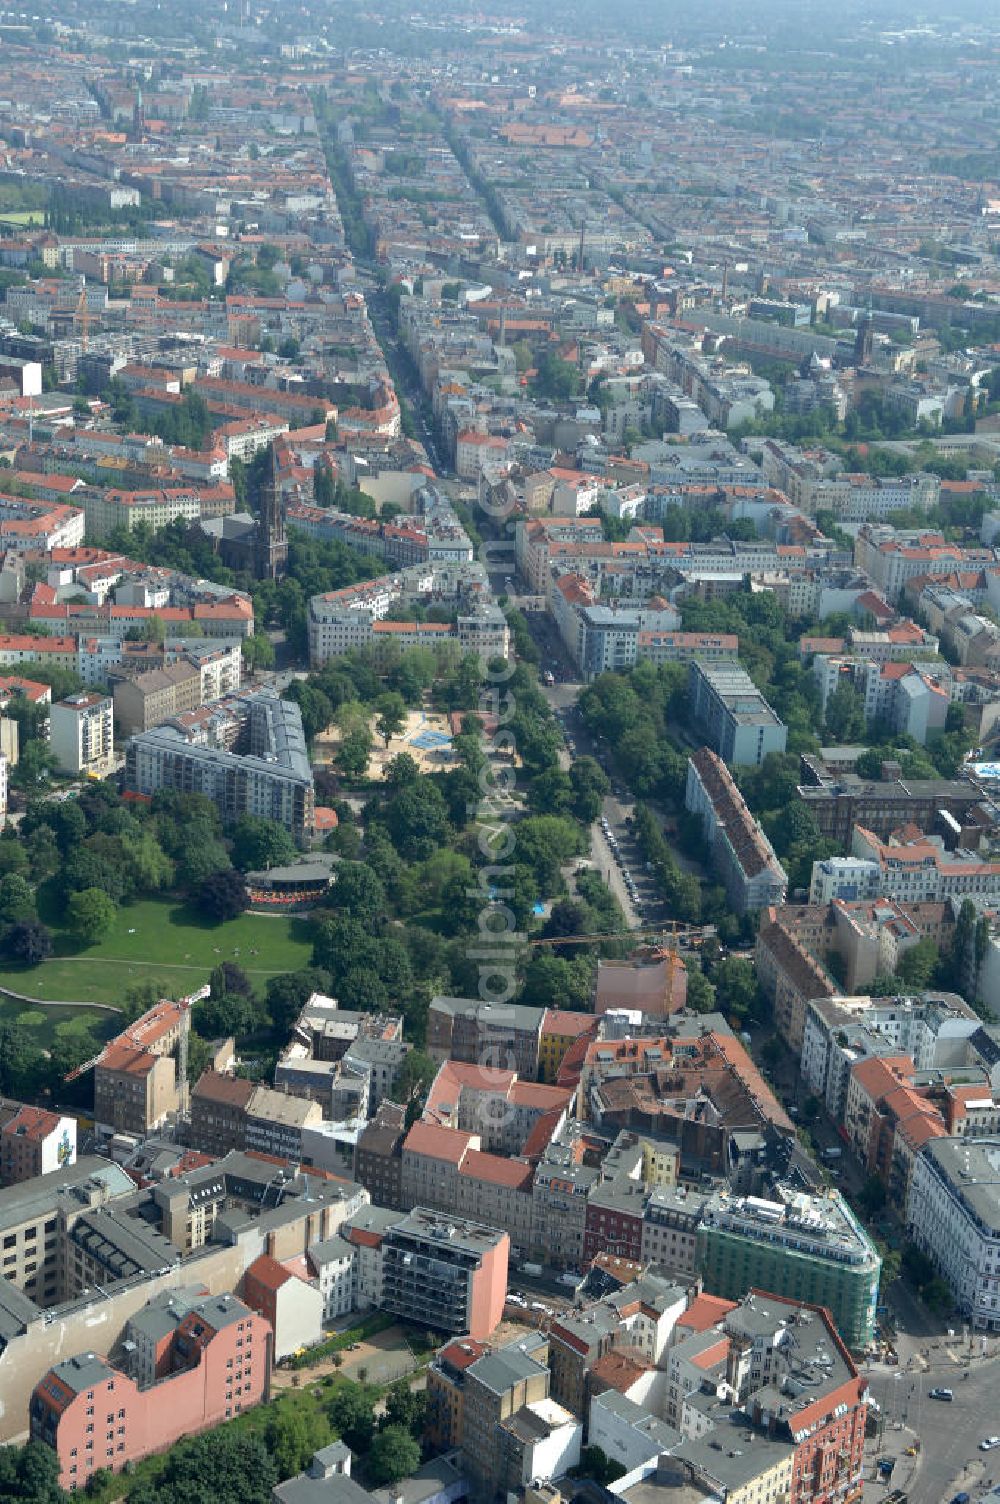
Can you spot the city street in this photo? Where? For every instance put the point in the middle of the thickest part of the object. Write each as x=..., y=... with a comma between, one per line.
x=950, y=1459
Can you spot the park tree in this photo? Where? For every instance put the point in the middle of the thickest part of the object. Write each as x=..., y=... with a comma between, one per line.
x=13, y=857
x=28, y=942
x=845, y=715
x=69, y=823
x=223, y=894
x=358, y=891
x=918, y=963
x=314, y=706
x=405, y=1407
x=362, y=990
x=293, y=1435
x=589, y=784
x=354, y=751
x=351, y=1413
x=544, y=843
x=417, y=820
x=17, y=899
x=150, y=870
x=90, y=914
x=223, y=1466
x=700, y=992
x=551, y=793
x=30, y=1473
x=558, y=981
x=21, y=1061
x=228, y=979
x=200, y=858
x=286, y=995
x=415, y=1076
x=391, y=715
x=35, y=766
x=402, y=769
x=259, y=843
x=258, y=652
x=393, y=1455
x=735, y=981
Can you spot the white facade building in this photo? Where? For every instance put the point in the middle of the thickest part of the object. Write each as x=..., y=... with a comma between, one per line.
x=81, y=733
x=954, y=1216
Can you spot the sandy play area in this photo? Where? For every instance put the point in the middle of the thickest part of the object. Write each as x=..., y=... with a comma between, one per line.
x=427, y=738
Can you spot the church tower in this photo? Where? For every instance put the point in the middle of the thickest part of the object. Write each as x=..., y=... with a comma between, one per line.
x=271, y=545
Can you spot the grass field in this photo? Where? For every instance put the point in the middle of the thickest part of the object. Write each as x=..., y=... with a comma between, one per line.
x=22, y=217
x=160, y=941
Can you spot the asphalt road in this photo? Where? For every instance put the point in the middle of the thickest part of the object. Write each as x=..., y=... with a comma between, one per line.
x=950, y=1459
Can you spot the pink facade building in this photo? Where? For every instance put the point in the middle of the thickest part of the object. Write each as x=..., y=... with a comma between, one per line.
x=212, y=1359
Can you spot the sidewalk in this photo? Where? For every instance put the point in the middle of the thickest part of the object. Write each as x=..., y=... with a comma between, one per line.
x=893, y=1444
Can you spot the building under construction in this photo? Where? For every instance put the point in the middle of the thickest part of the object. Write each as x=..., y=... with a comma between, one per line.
x=652, y=980
x=140, y=1077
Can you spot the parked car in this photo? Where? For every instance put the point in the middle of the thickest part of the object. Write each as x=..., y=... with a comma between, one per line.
x=940, y=1394
x=988, y=1443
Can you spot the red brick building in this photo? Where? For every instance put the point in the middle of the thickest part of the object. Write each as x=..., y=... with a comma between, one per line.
x=826, y=1424
x=216, y=1363
x=614, y=1221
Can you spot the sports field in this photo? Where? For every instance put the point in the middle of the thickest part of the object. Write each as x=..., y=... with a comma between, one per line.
x=162, y=941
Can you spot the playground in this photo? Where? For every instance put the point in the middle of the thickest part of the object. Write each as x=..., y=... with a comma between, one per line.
x=426, y=737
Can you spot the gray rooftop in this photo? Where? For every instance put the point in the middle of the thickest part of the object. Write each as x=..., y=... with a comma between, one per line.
x=501, y=1370
x=427, y=1482
x=732, y=1461
x=972, y=1169
x=329, y=1251
x=90, y=1179
x=123, y=1245
x=83, y=1371
x=336, y=1489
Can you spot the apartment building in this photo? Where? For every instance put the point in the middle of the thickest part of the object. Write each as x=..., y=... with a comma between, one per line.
x=733, y=715
x=272, y=777
x=514, y=1433
x=742, y=856
x=826, y=1419
x=888, y=1120
x=219, y=1105
x=954, y=1216
x=503, y=1036
x=910, y=696
x=275, y=1122
x=839, y=801
x=97, y=1417
x=447, y=1274
x=332, y=1262
x=290, y=1300
x=81, y=734
x=380, y=1155
x=153, y=697
x=106, y=511
x=137, y=1082
x=559, y=1029
x=808, y=1247
x=445, y=1422
x=891, y=557
x=34, y=1141
x=914, y=871
x=87, y=1249
x=559, y=1195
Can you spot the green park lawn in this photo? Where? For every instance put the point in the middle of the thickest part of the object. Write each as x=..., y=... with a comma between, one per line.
x=22, y=217
x=161, y=941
